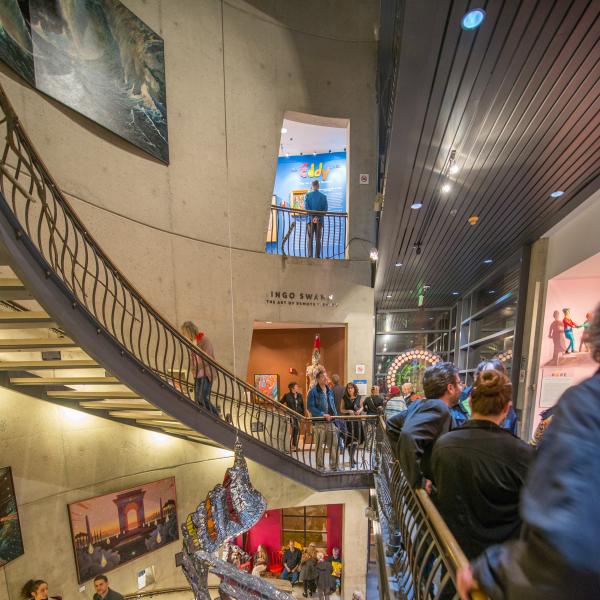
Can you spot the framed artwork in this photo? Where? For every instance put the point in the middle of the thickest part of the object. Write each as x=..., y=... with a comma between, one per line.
x=268, y=384
x=11, y=542
x=112, y=529
x=96, y=57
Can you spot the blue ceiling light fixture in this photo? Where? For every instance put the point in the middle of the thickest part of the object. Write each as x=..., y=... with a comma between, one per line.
x=556, y=194
x=416, y=205
x=488, y=261
x=473, y=19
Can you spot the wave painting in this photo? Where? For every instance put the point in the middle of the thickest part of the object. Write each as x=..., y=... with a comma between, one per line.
x=96, y=57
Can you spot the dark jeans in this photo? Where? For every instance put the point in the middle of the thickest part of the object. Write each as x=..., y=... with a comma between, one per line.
x=310, y=585
x=293, y=577
x=311, y=229
x=295, y=432
x=202, y=389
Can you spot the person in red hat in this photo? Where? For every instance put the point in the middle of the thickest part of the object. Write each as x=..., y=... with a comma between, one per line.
x=395, y=404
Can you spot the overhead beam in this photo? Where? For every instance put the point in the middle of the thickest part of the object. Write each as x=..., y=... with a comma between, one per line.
x=36, y=344
x=41, y=365
x=75, y=395
x=27, y=319
x=63, y=380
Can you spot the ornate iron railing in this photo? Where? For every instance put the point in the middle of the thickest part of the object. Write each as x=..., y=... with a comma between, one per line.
x=297, y=232
x=422, y=555
x=69, y=252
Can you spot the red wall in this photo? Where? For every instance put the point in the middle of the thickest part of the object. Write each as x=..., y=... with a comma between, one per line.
x=276, y=350
x=268, y=530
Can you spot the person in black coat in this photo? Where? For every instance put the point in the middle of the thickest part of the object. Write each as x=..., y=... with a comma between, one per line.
x=558, y=554
x=293, y=400
x=413, y=434
x=480, y=468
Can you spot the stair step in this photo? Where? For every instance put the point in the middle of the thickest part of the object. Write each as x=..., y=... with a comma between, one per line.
x=141, y=414
x=36, y=344
x=13, y=289
x=75, y=395
x=63, y=380
x=165, y=423
x=39, y=365
x=117, y=404
x=28, y=319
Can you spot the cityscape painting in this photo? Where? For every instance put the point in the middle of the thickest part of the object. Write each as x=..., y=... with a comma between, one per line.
x=96, y=57
x=112, y=529
x=11, y=542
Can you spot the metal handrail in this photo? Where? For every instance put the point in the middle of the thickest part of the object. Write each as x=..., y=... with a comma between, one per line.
x=65, y=249
x=425, y=551
x=324, y=239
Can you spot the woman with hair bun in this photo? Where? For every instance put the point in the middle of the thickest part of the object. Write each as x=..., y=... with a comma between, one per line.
x=479, y=470
x=37, y=589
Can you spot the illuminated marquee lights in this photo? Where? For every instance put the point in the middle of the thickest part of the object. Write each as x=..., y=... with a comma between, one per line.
x=505, y=356
x=409, y=356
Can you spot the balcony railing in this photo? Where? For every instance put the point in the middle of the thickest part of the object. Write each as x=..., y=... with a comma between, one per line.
x=297, y=232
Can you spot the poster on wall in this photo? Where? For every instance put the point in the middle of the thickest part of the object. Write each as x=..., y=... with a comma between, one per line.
x=112, y=529
x=96, y=57
x=267, y=384
x=292, y=181
x=553, y=388
x=11, y=542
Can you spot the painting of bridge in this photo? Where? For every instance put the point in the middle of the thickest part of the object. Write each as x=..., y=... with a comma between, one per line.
x=112, y=529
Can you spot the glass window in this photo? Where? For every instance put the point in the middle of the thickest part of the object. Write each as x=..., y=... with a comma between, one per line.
x=413, y=320
x=305, y=524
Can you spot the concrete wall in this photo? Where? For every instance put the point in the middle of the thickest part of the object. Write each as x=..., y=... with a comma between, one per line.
x=59, y=456
x=191, y=235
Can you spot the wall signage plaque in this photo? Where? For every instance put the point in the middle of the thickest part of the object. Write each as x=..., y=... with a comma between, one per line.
x=304, y=298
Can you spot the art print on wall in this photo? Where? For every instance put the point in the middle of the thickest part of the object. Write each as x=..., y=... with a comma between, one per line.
x=96, y=57
x=11, y=542
x=112, y=529
x=267, y=384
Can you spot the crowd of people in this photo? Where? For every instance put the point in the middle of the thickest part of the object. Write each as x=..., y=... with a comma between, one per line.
x=524, y=514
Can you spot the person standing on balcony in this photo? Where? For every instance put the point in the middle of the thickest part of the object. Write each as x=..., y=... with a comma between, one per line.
x=321, y=404
x=202, y=370
x=293, y=400
x=412, y=435
x=480, y=468
x=315, y=201
x=338, y=391
x=557, y=555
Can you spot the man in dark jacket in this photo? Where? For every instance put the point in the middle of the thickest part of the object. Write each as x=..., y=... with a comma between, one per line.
x=103, y=592
x=558, y=555
x=291, y=563
x=293, y=400
x=479, y=470
x=412, y=435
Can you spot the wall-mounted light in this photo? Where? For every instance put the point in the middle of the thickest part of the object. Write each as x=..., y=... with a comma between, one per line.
x=374, y=254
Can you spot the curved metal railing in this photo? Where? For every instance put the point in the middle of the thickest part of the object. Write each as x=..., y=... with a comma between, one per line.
x=69, y=251
x=425, y=554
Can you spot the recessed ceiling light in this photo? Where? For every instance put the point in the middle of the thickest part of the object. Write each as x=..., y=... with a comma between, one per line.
x=398, y=264
x=416, y=205
x=488, y=261
x=389, y=296
x=455, y=293
x=473, y=19
x=556, y=194
x=446, y=188
x=454, y=169
x=492, y=292
x=283, y=130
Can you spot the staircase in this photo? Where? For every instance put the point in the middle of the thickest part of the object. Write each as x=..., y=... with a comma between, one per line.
x=76, y=332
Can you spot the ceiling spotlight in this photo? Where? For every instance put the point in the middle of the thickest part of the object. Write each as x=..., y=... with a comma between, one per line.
x=473, y=19
x=446, y=188
x=283, y=130
x=456, y=293
x=398, y=264
x=473, y=219
x=556, y=194
x=389, y=296
x=374, y=254
x=454, y=169
x=488, y=261
x=416, y=205
x=492, y=292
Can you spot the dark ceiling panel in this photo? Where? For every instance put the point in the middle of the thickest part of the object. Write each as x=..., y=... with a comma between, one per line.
x=517, y=102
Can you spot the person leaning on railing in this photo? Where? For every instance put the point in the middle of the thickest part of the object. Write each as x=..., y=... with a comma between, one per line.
x=479, y=470
x=315, y=202
x=320, y=403
x=558, y=555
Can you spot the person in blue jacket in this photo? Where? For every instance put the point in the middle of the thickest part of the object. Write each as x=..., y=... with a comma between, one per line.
x=558, y=555
x=321, y=404
x=315, y=201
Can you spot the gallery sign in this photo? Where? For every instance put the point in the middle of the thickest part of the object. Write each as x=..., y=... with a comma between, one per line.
x=304, y=298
